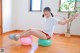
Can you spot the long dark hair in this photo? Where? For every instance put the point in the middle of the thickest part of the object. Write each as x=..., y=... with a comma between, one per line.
x=47, y=9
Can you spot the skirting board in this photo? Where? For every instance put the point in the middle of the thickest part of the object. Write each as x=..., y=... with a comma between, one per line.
x=53, y=33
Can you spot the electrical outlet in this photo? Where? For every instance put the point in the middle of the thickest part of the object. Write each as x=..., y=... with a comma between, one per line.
x=2, y=50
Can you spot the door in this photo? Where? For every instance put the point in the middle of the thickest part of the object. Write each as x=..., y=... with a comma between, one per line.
x=0, y=23
x=0, y=16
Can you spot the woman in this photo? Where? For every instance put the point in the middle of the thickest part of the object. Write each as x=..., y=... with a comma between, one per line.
x=47, y=31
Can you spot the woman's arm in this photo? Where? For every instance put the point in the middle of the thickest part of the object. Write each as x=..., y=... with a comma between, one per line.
x=67, y=21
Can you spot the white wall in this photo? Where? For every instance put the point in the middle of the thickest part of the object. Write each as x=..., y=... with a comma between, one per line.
x=75, y=29
x=23, y=19
x=7, y=15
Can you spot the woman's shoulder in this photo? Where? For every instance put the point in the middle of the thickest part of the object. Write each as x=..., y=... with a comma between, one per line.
x=55, y=18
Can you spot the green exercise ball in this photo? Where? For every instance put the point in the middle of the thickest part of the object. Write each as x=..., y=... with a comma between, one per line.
x=42, y=42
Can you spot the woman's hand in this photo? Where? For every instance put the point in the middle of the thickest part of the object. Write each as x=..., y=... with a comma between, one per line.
x=67, y=21
x=75, y=16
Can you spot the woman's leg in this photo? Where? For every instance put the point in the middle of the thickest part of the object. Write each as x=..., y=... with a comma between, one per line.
x=29, y=32
x=33, y=32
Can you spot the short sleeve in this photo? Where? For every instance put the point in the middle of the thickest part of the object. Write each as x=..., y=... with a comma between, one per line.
x=56, y=20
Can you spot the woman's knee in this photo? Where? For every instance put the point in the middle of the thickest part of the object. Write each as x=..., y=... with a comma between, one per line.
x=28, y=29
x=31, y=30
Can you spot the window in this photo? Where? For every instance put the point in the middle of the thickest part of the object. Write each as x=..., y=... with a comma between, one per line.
x=74, y=0
x=35, y=5
x=66, y=5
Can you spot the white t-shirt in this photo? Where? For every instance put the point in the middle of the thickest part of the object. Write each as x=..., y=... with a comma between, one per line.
x=49, y=25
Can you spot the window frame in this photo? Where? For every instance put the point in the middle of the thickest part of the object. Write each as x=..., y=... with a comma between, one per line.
x=67, y=11
x=30, y=7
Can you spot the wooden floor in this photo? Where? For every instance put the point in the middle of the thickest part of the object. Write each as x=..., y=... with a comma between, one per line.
x=60, y=44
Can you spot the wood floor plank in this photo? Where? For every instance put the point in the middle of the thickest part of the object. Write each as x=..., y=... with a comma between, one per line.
x=60, y=44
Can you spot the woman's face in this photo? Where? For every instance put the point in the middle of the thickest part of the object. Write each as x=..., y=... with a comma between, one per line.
x=47, y=14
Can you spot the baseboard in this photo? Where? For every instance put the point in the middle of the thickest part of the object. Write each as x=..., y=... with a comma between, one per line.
x=61, y=34
x=75, y=35
x=13, y=31
x=9, y=32
x=19, y=30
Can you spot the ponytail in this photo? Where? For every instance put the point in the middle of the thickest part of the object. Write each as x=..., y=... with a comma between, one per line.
x=43, y=15
x=52, y=15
